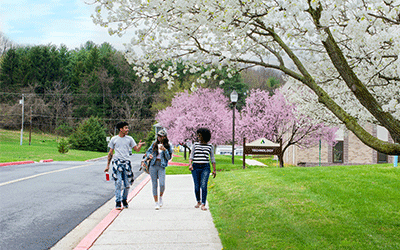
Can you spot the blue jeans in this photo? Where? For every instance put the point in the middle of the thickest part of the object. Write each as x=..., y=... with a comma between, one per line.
x=200, y=174
x=157, y=172
x=122, y=174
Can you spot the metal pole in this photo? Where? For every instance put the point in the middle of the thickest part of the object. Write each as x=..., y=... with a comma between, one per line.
x=320, y=152
x=244, y=155
x=233, y=134
x=30, y=127
x=22, y=125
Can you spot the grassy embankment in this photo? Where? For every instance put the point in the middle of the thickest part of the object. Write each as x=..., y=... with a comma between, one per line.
x=43, y=146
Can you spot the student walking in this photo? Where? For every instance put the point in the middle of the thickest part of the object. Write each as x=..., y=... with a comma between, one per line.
x=199, y=165
x=122, y=144
x=160, y=152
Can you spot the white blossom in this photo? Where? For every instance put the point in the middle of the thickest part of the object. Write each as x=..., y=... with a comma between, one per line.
x=223, y=33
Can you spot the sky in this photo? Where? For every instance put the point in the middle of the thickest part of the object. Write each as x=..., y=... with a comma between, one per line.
x=56, y=22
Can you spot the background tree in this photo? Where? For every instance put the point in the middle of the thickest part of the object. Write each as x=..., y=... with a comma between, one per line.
x=263, y=78
x=10, y=75
x=5, y=44
x=64, y=87
x=277, y=120
x=90, y=135
x=346, y=52
x=190, y=111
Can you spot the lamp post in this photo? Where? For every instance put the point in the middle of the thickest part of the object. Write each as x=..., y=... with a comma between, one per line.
x=22, y=125
x=234, y=99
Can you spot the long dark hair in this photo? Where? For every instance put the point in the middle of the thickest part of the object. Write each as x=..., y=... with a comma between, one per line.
x=165, y=143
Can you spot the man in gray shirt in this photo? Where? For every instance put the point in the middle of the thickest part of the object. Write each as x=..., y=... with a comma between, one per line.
x=122, y=144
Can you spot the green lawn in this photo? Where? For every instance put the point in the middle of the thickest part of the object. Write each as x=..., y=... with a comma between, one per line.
x=352, y=207
x=338, y=207
x=43, y=146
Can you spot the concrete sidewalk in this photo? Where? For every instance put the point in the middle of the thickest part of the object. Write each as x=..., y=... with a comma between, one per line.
x=177, y=225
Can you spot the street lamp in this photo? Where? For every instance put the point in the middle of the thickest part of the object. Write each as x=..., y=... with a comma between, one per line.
x=234, y=99
x=22, y=126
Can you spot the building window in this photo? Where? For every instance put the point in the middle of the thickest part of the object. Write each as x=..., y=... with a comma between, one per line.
x=338, y=152
x=382, y=158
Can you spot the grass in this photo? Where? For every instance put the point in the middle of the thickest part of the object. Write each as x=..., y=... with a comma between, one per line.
x=351, y=207
x=338, y=207
x=224, y=163
x=43, y=146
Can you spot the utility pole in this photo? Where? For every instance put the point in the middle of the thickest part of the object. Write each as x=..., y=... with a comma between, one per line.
x=22, y=125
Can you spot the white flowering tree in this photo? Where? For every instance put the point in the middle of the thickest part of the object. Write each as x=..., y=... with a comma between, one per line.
x=345, y=51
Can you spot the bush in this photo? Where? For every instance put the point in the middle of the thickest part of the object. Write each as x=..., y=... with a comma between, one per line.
x=150, y=138
x=63, y=146
x=90, y=135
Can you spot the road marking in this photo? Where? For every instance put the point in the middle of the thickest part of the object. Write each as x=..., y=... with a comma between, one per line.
x=37, y=175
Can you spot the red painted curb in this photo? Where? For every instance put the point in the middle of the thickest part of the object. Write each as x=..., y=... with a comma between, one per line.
x=49, y=160
x=89, y=240
x=177, y=164
x=15, y=163
x=174, y=155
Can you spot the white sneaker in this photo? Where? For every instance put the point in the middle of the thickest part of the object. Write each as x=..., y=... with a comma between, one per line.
x=161, y=202
x=157, y=206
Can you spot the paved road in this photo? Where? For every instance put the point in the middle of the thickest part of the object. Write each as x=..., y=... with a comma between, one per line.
x=42, y=202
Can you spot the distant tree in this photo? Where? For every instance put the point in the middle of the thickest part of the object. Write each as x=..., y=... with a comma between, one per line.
x=90, y=136
x=11, y=74
x=262, y=78
x=60, y=102
x=190, y=111
x=274, y=118
x=5, y=44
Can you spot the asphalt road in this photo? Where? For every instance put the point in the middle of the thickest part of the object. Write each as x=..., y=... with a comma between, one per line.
x=42, y=202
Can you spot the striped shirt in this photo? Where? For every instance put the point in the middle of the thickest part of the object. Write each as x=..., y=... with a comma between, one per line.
x=201, y=153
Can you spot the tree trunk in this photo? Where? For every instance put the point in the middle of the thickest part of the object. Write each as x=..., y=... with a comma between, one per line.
x=280, y=158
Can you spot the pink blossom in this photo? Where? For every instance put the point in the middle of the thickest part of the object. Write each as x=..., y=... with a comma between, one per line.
x=203, y=108
x=274, y=118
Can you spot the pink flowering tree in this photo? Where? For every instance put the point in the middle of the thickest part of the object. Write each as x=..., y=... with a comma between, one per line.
x=206, y=108
x=274, y=118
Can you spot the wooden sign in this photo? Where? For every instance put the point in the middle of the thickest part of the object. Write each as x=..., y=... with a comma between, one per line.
x=259, y=150
x=261, y=146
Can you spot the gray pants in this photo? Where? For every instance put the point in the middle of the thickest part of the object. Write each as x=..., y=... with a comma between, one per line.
x=157, y=172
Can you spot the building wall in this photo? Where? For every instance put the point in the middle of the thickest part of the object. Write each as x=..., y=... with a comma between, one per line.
x=355, y=152
x=358, y=152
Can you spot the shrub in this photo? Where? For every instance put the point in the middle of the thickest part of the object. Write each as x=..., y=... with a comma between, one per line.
x=63, y=146
x=90, y=135
x=150, y=138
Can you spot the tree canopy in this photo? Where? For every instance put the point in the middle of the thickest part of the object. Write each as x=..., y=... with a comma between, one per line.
x=190, y=111
x=346, y=52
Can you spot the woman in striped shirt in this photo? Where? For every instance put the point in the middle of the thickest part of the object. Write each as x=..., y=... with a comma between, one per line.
x=199, y=164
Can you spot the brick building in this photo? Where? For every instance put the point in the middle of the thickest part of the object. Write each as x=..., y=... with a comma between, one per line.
x=349, y=150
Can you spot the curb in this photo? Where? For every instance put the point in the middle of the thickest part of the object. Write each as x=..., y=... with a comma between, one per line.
x=15, y=163
x=97, y=159
x=89, y=240
x=177, y=164
x=48, y=160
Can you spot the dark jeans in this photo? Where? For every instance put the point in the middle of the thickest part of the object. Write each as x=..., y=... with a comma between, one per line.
x=200, y=174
